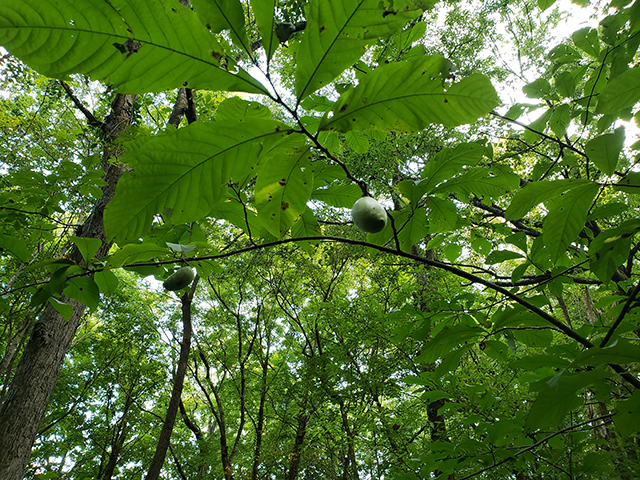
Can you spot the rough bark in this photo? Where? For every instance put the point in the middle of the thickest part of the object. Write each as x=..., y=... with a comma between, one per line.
x=28, y=396
x=178, y=382
x=301, y=431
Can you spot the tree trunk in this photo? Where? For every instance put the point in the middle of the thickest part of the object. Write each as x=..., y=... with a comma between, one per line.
x=28, y=396
x=301, y=432
x=260, y=426
x=119, y=437
x=351, y=452
x=178, y=382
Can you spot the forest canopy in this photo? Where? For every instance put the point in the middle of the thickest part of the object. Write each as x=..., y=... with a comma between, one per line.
x=186, y=293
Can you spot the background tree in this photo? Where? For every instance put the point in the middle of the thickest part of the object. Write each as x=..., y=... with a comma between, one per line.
x=490, y=330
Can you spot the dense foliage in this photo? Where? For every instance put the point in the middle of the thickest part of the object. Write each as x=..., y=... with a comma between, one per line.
x=490, y=330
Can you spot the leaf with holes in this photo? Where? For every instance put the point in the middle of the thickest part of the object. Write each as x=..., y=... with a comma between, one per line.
x=409, y=96
x=337, y=34
x=136, y=45
x=219, y=15
x=283, y=187
x=183, y=174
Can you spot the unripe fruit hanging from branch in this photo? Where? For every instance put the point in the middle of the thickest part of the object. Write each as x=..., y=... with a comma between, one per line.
x=180, y=279
x=368, y=215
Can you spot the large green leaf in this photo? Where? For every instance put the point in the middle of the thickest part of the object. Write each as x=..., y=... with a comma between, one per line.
x=283, y=188
x=620, y=352
x=443, y=214
x=621, y=92
x=447, y=340
x=448, y=162
x=411, y=226
x=337, y=33
x=136, y=45
x=535, y=193
x=409, y=96
x=478, y=181
x=558, y=396
x=339, y=195
x=15, y=246
x=264, y=11
x=604, y=151
x=628, y=418
x=221, y=15
x=587, y=39
x=87, y=246
x=566, y=218
x=182, y=175
x=84, y=290
x=610, y=249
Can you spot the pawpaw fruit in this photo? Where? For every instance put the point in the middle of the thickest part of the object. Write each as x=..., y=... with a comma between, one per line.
x=368, y=215
x=180, y=279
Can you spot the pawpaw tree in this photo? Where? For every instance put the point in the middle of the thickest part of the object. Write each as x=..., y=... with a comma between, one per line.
x=527, y=211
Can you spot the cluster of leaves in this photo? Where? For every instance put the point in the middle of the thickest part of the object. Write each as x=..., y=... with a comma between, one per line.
x=500, y=381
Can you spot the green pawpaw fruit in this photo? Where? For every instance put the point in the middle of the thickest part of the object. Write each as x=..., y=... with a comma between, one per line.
x=368, y=215
x=180, y=279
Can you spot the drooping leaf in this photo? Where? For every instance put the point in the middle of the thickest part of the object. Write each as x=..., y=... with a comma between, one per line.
x=283, y=187
x=338, y=195
x=566, y=219
x=236, y=108
x=610, y=249
x=476, y=181
x=628, y=417
x=604, y=151
x=87, y=246
x=84, y=290
x=449, y=162
x=136, y=46
x=535, y=193
x=140, y=252
x=185, y=172
x=411, y=226
x=443, y=214
x=630, y=183
x=587, y=39
x=537, y=89
x=544, y=4
x=63, y=308
x=306, y=226
x=180, y=248
x=219, y=15
x=357, y=141
x=264, y=11
x=565, y=84
x=337, y=32
x=16, y=247
x=55, y=285
x=560, y=120
x=499, y=256
x=558, y=396
x=107, y=281
x=409, y=96
x=448, y=339
x=620, y=93
x=621, y=352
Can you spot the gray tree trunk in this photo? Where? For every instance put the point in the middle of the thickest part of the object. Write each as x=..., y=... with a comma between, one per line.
x=28, y=396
